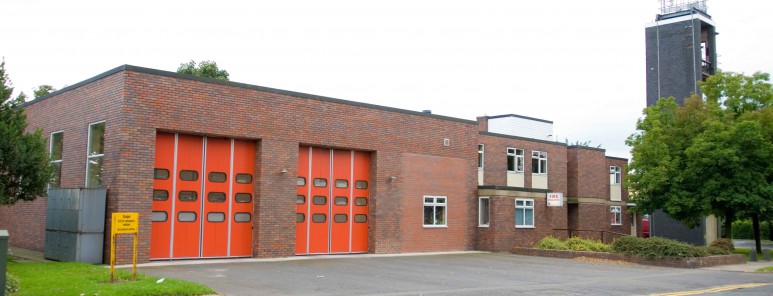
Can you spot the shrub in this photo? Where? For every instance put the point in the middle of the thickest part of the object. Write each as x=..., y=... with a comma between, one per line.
x=723, y=243
x=742, y=229
x=579, y=244
x=551, y=243
x=714, y=250
x=11, y=284
x=656, y=247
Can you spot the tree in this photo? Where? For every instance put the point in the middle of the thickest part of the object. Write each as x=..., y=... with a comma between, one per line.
x=204, y=69
x=25, y=168
x=43, y=90
x=714, y=155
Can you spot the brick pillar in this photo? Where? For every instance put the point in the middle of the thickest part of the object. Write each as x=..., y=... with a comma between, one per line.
x=274, y=231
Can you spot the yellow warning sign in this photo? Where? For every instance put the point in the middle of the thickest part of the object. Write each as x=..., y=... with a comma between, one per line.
x=125, y=222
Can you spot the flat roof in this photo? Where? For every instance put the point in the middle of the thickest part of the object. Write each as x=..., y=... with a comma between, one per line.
x=519, y=116
x=246, y=86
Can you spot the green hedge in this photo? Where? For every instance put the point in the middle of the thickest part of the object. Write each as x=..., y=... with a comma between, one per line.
x=573, y=244
x=742, y=229
x=657, y=247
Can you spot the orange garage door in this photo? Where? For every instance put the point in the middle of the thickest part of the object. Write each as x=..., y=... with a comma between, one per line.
x=202, y=197
x=332, y=201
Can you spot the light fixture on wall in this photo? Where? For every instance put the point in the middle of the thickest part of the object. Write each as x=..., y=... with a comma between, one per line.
x=283, y=171
x=392, y=179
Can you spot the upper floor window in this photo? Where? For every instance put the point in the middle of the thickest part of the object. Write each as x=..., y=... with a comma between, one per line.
x=56, y=158
x=614, y=175
x=95, y=155
x=539, y=162
x=515, y=160
x=480, y=156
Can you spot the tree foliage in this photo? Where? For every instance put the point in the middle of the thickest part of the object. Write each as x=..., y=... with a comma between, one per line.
x=714, y=155
x=24, y=163
x=43, y=90
x=203, y=69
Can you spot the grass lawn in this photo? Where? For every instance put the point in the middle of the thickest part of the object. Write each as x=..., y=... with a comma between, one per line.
x=85, y=279
x=744, y=252
x=766, y=269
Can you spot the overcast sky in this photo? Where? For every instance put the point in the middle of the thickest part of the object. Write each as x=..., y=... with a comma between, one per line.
x=579, y=64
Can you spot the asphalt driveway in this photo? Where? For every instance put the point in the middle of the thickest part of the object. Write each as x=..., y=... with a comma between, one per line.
x=456, y=274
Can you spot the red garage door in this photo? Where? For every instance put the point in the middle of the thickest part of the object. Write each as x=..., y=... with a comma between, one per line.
x=202, y=197
x=332, y=201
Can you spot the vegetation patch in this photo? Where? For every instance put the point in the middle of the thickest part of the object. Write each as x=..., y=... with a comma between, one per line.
x=573, y=244
x=656, y=247
x=84, y=279
x=766, y=269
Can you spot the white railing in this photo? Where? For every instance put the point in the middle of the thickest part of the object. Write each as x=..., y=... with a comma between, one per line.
x=671, y=6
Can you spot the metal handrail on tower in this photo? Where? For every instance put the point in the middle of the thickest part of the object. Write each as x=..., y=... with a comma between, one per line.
x=672, y=6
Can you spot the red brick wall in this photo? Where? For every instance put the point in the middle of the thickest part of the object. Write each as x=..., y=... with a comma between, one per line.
x=502, y=235
x=436, y=176
x=495, y=163
x=26, y=223
x=598, y=218
x=588, y=175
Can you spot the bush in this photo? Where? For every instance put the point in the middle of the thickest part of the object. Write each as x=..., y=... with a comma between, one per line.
x=11, y=284
x=714, y=251
x=656, y=247
x=742, y=229
x=551, y=243
x=723, y=243
x=579, y=244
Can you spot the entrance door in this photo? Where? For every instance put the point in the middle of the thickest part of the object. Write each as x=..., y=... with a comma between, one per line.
x=332, y=201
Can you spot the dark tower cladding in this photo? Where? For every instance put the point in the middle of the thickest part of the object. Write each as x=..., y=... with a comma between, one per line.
x=681, y=50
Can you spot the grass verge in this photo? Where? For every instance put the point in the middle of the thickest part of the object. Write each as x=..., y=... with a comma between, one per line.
x=766, y=269
x=73, y=278
x=744, y=252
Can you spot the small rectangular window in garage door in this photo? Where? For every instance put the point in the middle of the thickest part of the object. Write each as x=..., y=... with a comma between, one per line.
x=187, y=175
x=318, y=218
x=159, y=216
x=243, y=197
x=160, y=174
x=186, y=216
x=216, y=197
x=215, y=217
x=160, y=195
x=340, y=218
x=187, y=196
x=243, y=178
x=217, y=177
x=360, y=218
x=242, y=217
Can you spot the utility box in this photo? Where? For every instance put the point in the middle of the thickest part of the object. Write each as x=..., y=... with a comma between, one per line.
x=3, y=259
x=75, y=225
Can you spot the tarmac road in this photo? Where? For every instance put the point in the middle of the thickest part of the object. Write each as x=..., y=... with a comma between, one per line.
x=459, y=274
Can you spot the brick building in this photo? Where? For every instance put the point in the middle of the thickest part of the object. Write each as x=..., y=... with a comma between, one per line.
x=220, y=169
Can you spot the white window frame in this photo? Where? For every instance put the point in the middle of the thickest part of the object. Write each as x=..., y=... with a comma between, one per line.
x=480, y=211
x=615, y=175
x=523, y=209
x=481, y=156
x=88, y=148
x=617, y=215
x=538, y=157
x=435, y=204
x=51, y=154
x=518, y=163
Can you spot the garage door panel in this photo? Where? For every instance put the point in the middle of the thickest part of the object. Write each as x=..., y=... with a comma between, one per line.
x=361, y=195
x=242, y=200
x=216, y=199
x=188, y=196
x=301, y=205
x=163, y=168
x=319, y=228
x=340, y=206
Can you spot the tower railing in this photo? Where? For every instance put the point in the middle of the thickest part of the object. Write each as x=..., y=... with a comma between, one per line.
x=671, y=6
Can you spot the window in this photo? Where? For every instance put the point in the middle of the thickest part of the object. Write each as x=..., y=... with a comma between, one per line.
x=480, y=156
x=539, y=162
x=340, y=218
x=242, y=217
x=243, y=197
x=515, y=160
x=215, y=217
x=56, y=158
x=300, y=199
x=318, y=218
x=319, y=200
x=217, y=177
x=341, y=200
x=360, y=201
x=188, y=175
x=320, y=182
x=160, y=174
x=186, y=216
x=614, y=175
x=95, y=155
x=483, y=212
x=434, y=211
x=159, y=216
x=300, y=217
x=360, y=218
x=341, y=183
x=244, y=178
x=160, y=195
x=617, y=215
x=359, y=184
x=216, y=197
x=188, y=196
x=301, y=181
x=524, y=213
